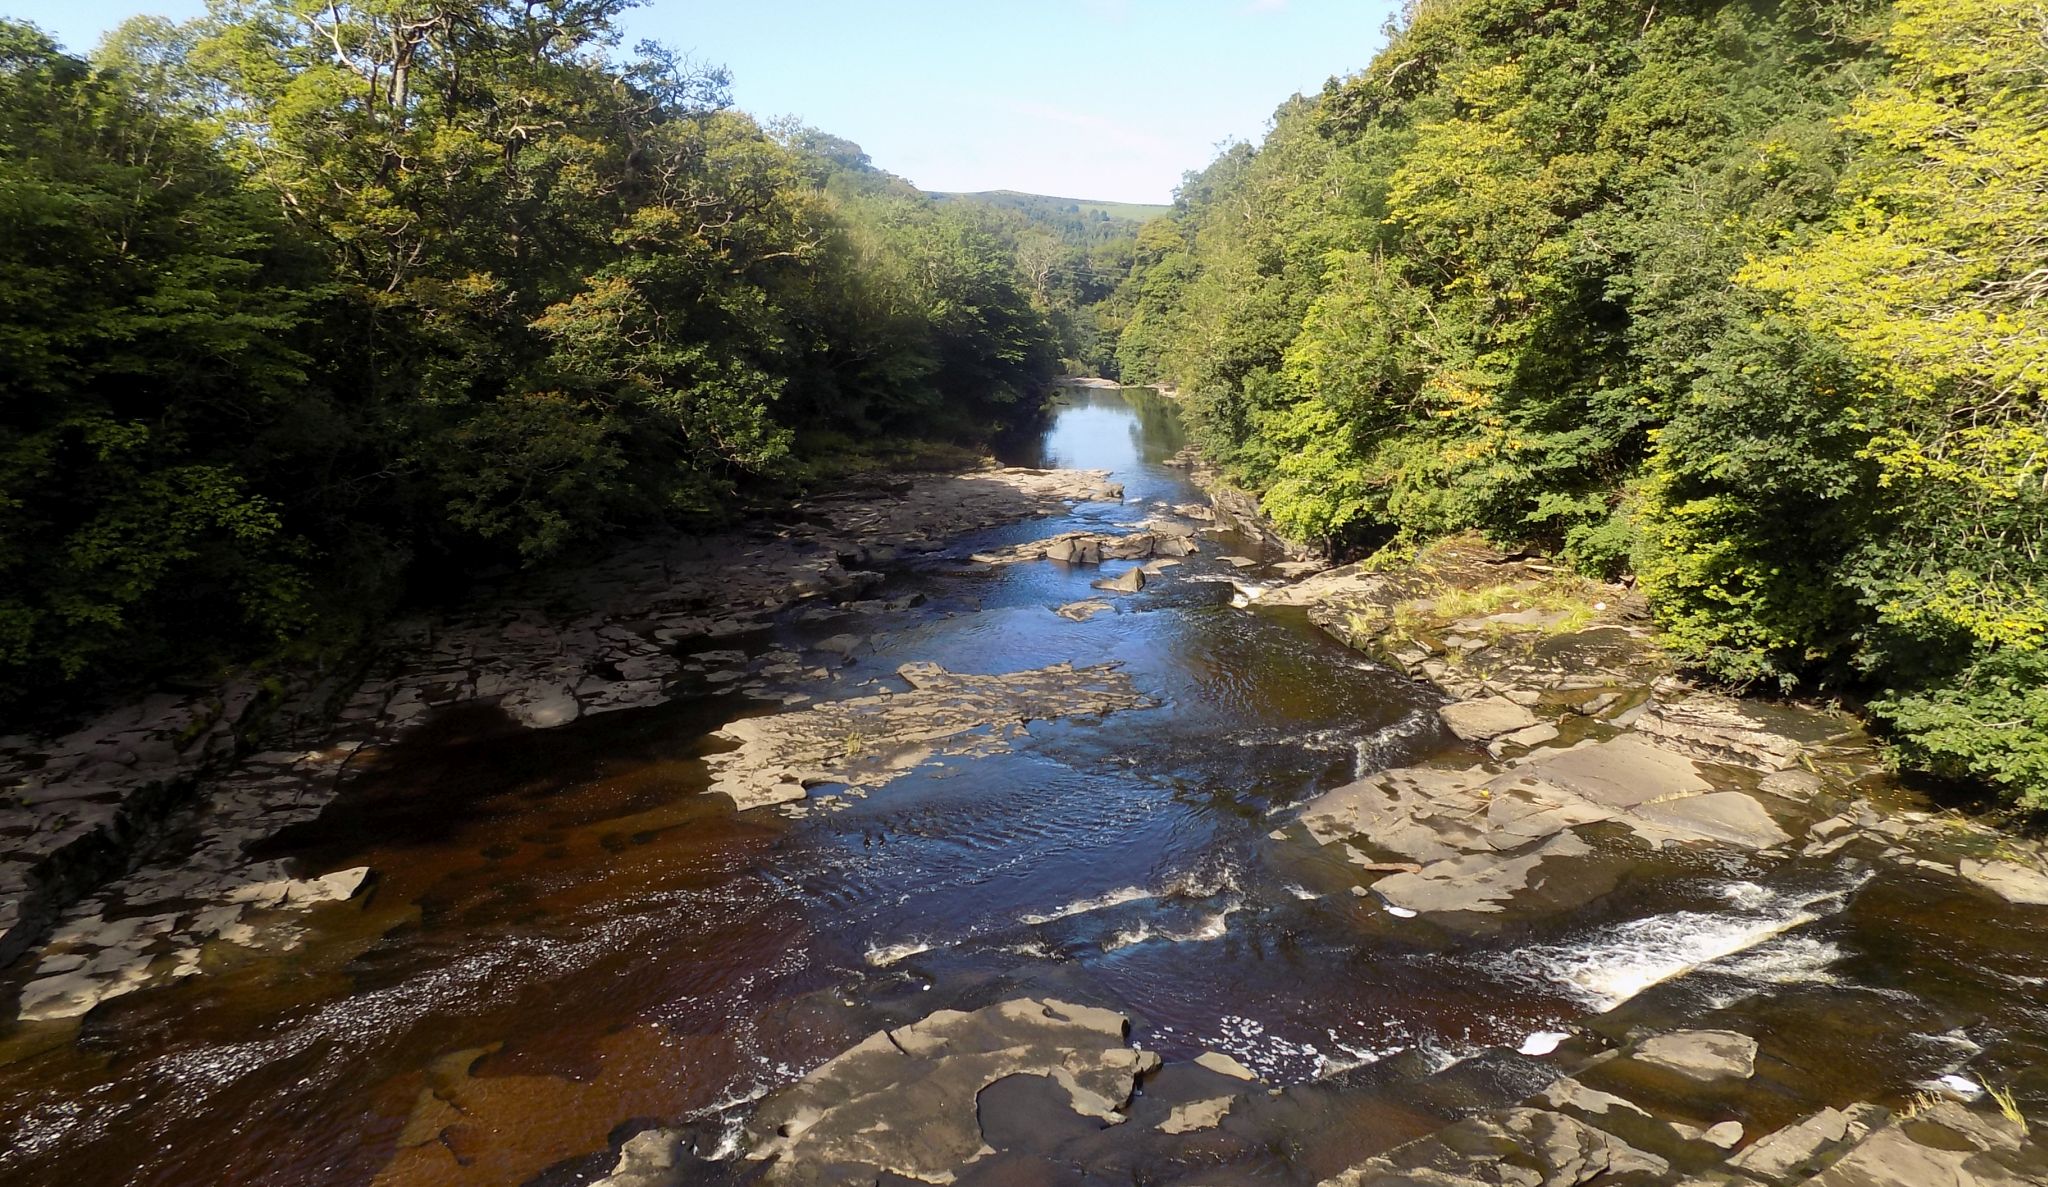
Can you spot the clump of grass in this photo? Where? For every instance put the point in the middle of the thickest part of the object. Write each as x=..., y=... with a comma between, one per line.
x=2008, y=1106
x=1919, y=1103
x=1452, y=605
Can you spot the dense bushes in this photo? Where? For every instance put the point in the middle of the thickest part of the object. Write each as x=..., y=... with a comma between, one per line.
x=1741, y=298
x=300, y=306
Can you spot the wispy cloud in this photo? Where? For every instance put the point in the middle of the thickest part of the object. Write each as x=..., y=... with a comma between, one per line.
x=1267, y=6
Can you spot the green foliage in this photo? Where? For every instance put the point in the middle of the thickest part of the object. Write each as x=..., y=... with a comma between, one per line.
x=1743, y=297
x=1075, y=255
x=148, y=321
x=303, y=305
x=1984, y=726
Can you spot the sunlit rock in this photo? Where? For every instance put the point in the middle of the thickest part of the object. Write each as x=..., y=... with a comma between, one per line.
x=905, y=1101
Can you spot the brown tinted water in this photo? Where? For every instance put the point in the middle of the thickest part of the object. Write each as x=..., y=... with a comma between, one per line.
x=568, y=940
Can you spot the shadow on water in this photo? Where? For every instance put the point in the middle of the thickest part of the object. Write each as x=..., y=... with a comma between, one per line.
x=568, y=940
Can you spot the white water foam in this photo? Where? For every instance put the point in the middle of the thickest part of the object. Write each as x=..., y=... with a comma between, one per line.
x=1210, y=927
x=1380, y=748
x=1113, y=898
x=884, y=955
x=1614, y=965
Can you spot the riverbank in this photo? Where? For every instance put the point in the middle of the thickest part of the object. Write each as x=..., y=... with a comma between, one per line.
x=168, y=789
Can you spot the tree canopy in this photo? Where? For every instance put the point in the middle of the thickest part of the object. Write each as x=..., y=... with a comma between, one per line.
x=309, y=307
x=1739, y=300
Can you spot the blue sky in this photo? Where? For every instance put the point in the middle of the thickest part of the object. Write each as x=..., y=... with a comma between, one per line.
x=1108, y=99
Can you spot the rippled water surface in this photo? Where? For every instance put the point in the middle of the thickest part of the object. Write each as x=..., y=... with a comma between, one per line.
x=569, y=939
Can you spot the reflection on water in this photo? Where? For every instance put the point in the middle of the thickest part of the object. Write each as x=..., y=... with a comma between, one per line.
x=568, y=936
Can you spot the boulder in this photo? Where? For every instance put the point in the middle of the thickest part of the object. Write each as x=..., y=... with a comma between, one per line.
x=1130, y=581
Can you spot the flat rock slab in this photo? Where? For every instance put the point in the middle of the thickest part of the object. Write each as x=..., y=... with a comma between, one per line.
x=1728, y=816
x=1477, y=882
x=1197, y=1115
x=866, y=742
x=1084, y=610
x=1792, y=1154
x=1943, y=1145
x=1622, y=772
x=2009, y=880
x=908, y=1101
x=1480, y=720
x=1480, y=838
x=1522, y=1147
x=1702, y=1055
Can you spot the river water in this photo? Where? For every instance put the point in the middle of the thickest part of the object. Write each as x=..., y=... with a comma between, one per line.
x=569, y=941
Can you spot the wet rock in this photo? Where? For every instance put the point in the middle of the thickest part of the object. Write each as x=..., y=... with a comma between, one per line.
x=1477, y=882
x=302, y=892
x=1943, y=1144
x=1727, y=816
x=1130, y=581
x=542, y=707
x=2011, y=881
x=1519, y=1147
x=1622, y=772
x=1702, y=1055
x=868, y=741
x=1089, y=548
x=1084, y=610
x=1796, y=1152
x=1197, y=1115
x=842, y=646
x=1724, y=730
x=1477, y=721
x=904, y=1101
x=1568, y=1093
x=651, y=1158
x=1535, y=735
x=1224, y=1065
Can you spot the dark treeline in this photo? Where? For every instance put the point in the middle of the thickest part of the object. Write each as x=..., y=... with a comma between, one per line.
x=1740, y=298
x=305, y=308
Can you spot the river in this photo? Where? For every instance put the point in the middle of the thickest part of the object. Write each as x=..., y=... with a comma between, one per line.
x=568, y=939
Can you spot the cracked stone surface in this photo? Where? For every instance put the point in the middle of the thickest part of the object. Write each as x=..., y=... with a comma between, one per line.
x=907, y=1101
x=866, y=742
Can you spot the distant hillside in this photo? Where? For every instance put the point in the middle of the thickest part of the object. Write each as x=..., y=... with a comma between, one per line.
x=1074, y=219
